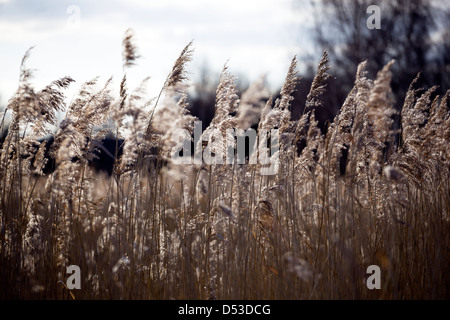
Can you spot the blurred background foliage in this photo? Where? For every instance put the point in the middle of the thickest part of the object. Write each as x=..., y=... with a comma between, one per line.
x=414, y=33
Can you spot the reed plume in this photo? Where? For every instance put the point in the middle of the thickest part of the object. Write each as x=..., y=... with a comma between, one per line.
x=301, y=217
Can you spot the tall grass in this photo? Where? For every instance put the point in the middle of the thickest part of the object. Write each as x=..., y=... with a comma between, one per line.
x=155, y=229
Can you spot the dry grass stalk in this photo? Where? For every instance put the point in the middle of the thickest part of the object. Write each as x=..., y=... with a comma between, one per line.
x=226, y=231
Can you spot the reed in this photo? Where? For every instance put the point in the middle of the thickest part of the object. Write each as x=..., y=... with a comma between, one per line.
x=156, y=229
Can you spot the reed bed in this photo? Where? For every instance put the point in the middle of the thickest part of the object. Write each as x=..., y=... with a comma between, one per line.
x=365, y=192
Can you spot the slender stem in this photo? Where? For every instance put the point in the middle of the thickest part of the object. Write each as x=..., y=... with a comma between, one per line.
x=147, y=132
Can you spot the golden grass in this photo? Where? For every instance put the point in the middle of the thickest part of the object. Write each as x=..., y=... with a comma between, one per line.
x=158, y=230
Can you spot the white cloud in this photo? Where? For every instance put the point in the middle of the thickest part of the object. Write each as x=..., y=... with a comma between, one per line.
x=256, y=35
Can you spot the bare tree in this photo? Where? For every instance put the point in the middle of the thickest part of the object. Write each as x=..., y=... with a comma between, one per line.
x=412, y=33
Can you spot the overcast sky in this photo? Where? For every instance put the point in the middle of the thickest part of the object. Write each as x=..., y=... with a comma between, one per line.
x=83, y=39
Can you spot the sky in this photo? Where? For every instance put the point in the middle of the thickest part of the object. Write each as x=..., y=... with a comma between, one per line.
x=83, y=39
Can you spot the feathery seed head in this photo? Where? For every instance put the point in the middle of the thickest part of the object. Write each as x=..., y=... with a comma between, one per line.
x=178, y=73
x=289, y=85
x=318, y=85
x=129, y=53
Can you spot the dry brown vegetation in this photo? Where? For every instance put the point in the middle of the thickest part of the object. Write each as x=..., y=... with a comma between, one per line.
x=158, y=230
